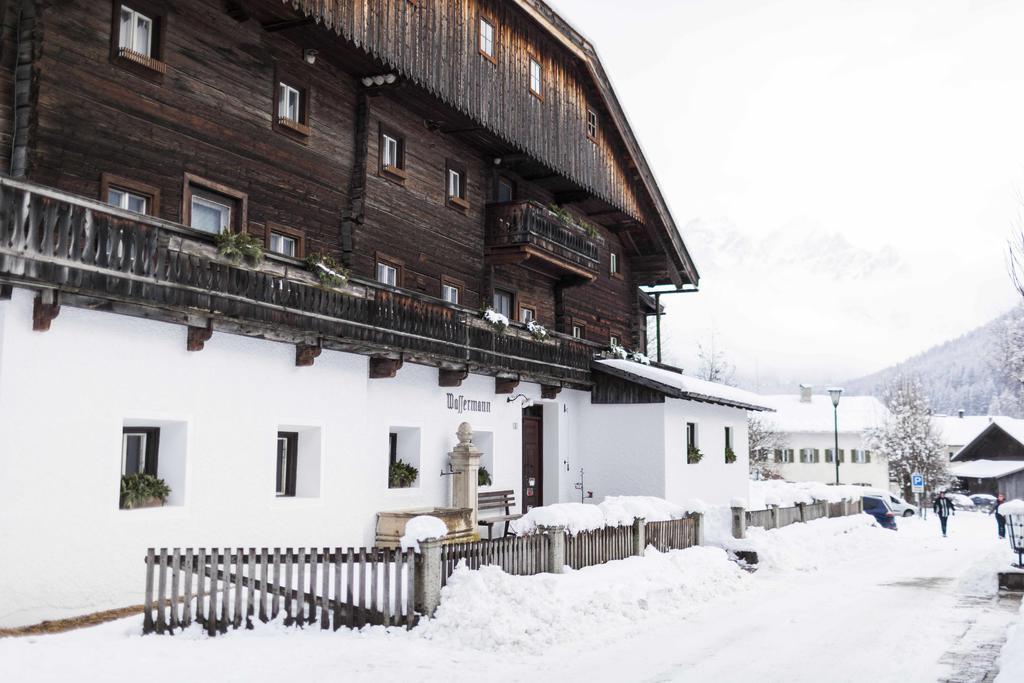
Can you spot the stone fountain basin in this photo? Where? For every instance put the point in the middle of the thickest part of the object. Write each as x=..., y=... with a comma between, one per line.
x=391, y=525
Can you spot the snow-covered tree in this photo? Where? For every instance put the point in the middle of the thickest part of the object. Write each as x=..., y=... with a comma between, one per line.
x=908, y=439
x=1008, y=365
x=763, y=440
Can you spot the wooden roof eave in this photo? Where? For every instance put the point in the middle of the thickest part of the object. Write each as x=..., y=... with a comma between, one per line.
x=671, y=391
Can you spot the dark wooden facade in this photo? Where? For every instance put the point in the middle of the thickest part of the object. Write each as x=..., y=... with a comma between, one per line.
x=77, y=117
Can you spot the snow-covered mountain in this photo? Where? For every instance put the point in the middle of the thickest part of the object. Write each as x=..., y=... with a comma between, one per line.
x=957, y=375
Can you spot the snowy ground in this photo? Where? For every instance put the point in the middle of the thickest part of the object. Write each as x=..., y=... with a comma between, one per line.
x=835, y=600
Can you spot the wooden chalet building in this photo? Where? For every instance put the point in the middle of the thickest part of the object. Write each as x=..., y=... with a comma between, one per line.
x=446, y=155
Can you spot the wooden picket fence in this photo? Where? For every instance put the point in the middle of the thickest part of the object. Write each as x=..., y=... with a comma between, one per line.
x=816, y=510
x=761, y=518
x=588, y=548
x=518, y=555
x=676, y=534
x=233, y=587
x=792, y=515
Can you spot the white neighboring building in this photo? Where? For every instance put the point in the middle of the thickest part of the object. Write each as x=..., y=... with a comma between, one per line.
x=807, y=421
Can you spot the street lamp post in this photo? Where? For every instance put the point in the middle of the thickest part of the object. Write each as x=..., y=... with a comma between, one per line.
x=834, y=394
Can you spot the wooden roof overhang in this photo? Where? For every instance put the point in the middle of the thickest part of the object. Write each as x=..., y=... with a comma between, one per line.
x=609, y=380
x=382, y=32
x=993, y=437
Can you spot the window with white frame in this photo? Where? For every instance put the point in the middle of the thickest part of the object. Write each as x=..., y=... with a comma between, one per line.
x=140, y=447
x=449, y=293
x=387, y=274
x=536, y=78
x=578, y=331
x=728, y=437
x=613, y=263
x=286, y=245
x=289, y=103
x=613, y=341
x=527, y=314
x=487, y=39
x=403, y=457
x=297, y=461
x=454, y=183
x=127, y=200
x=860, y=456
x=502, y=302
x=784, y=455
x=808, y=455
x=286, y=463
x=691, y=435
x=136, y=32
x=829, y=457
x=210, y=213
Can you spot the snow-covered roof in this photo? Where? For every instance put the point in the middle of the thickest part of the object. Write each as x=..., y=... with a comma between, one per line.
x=678, y=385
x=986, y=469
x=856, y=413
x=960, y=431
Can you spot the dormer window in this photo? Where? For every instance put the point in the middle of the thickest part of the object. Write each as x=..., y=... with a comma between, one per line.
x=536, y=78
x=591, y=124
x=486, y=40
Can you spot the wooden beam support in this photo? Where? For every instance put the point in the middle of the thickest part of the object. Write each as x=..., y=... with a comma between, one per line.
x=382, y=367
x=274, y=26
x=451, y=378
x=44, y=310
x=305, y=354
x=549, y=391
x=505, y=385
x=198, y=336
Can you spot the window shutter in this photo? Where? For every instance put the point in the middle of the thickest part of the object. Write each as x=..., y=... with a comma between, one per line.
x=867, y=456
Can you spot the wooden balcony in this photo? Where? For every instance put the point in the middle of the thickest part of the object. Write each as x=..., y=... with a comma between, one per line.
x=80, y=252
x=527, y=232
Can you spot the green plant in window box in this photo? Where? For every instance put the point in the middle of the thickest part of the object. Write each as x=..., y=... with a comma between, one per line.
x=483, y=477
x=401, y=475
x=730, y=454
x=693, y=455
x=143, y=491
x=239, y=246
x=327, y=270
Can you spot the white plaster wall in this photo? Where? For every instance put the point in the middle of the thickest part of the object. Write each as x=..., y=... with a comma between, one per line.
x=621, y=450
x=712, y=480
x=875, y=473
x=66, y=394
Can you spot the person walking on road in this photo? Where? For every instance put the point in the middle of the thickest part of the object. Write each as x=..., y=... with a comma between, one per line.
x=943, y=507
x=1000, y=519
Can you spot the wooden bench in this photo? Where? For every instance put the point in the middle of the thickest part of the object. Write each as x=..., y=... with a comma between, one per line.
x=502, y=501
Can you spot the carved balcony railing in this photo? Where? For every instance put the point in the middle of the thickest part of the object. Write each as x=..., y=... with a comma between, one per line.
x=527, y=231
x=88, y=254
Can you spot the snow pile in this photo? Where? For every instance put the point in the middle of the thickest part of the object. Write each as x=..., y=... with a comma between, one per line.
x=1011, y=657
x=489, y=609
x=613, y=511
x=787, y=494
x=981, y=578
x=499, y=320
x=420, y=529
x=811, y=546
x=1012, y=507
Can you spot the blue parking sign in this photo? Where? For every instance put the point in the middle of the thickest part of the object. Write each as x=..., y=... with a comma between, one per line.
x=917, y=482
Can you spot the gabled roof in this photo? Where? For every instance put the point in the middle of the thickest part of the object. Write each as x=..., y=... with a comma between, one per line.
x=986, y=469
x=959, y=431
x=674, y=384
x=855, y=414
x=1011, y=427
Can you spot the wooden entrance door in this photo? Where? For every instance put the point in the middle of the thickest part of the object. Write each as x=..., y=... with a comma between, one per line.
x=533, y=457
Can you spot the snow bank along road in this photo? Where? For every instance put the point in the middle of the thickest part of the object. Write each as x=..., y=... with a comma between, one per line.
x=835, y=600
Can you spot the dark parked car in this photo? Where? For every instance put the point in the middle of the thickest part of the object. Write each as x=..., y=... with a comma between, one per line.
x=984, y=502
x=880, y=510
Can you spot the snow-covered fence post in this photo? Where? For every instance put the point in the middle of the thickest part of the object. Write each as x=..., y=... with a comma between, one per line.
x=698, y=522
x=775, y=516
x=556, y=548
x=639, y=536
x=803, y=513
x=739, y=519
x=428, y=577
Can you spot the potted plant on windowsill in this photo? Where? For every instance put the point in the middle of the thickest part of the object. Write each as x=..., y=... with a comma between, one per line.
x=401, y=475
x=483, y=477
x=327, y=270
x=693, y=455
x=730, y=455
x=143, y=491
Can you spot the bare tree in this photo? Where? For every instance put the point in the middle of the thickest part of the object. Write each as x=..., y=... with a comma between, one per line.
x=764, y=440
x=714, y=364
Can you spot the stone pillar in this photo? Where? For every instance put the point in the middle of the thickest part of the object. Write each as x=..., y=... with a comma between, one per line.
x=556, y=547
x=465, y=460
x=428, y=577
x=739, y=522
x=775, y=516
x=639, y=536
x=698, y=518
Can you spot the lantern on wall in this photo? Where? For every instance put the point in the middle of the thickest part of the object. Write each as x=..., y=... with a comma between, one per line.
x=1015, y=525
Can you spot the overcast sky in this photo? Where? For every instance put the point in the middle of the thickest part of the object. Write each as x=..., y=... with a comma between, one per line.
x=844, y=172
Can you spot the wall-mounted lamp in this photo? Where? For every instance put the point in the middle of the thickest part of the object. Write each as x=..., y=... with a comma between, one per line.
x=309, y=54
x=527, y=402
x=379, y=79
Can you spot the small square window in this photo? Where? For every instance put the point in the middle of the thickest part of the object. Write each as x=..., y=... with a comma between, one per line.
x=536, y=78
x=613, y=341
x=140, y=447
x=209, y=214
x=578, y=331
x=127, y=200
x=450, y=293
x=454, y=183
x=387, y=274
x=613, y=263
x=213, y=208
x=691, y=435
x=392, y=154
x=506, y=190
x=129, y=194
x=486, y=44
x=591, y=124
x=284, y=245
x=527, y=315
x=135, y=40
x=289, y=103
